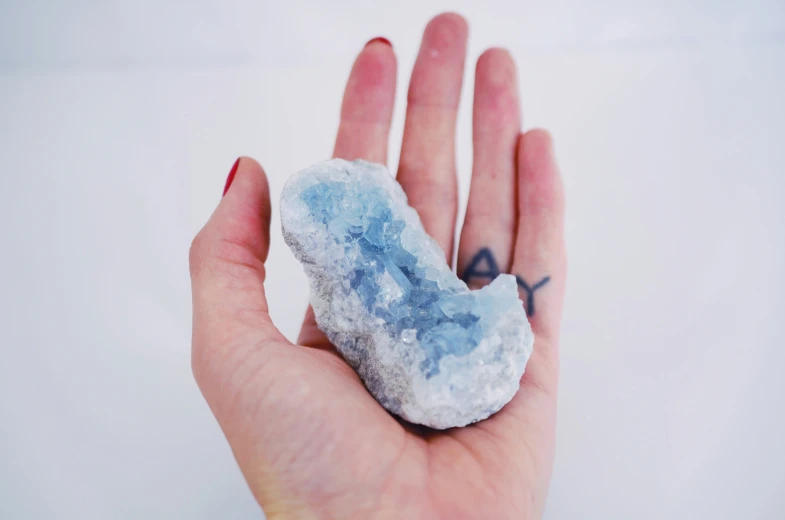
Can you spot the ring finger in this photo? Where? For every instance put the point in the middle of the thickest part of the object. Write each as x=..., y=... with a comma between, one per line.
x=488, y=233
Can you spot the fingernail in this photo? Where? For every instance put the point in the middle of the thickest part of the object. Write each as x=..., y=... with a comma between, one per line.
x=379, y=39
x=230, y=178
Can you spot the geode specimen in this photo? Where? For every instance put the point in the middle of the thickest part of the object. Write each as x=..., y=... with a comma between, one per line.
x=427, y=348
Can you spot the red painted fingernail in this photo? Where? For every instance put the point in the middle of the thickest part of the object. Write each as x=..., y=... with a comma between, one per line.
x=379, y=39
x=230, y=178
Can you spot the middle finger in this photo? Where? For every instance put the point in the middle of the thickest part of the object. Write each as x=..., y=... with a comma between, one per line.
x=488, y=230
x=427, y=166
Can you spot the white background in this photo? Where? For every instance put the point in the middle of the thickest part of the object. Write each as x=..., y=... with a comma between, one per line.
x=120, y=120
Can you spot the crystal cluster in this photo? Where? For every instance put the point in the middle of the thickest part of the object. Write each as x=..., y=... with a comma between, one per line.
x=426, y=347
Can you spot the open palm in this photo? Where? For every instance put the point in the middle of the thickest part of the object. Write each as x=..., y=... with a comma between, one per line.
x=310, y=440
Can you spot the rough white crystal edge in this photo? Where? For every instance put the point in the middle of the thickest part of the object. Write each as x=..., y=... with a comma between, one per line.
x=491, y=386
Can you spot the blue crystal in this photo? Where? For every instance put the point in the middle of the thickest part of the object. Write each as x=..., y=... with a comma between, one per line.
x=444, y=321
x=426, y=347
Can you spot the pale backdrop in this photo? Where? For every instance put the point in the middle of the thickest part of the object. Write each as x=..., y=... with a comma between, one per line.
x=120, y=120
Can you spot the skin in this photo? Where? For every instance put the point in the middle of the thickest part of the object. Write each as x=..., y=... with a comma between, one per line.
x=309, y=439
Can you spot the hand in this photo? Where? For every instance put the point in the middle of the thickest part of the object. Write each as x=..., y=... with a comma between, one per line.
x=310, y=440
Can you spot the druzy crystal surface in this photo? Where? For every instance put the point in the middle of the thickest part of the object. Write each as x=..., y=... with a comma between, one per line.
x=427, y=348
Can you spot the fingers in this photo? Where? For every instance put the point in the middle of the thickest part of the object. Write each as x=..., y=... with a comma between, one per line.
x=539, y=258
x=488, y=232
x=363, y=133
x=427, y=166
x=367, y=106
x=227, y=265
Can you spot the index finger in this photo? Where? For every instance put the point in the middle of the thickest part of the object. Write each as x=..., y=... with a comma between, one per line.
x=363, y=133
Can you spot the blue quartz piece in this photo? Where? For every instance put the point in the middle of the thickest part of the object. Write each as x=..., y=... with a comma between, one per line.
x=427, y=347
x=362, y=216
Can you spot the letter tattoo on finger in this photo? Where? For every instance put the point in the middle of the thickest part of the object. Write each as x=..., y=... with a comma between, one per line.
x=484, y=265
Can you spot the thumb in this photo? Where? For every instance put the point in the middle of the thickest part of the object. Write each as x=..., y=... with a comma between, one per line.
x=227, y=268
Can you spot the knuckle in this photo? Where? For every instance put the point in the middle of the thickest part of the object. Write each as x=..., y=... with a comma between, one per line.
x=429, y=193
x=541, y=196
x=483, y=218
x=222, y=255
x=500, y=99
x=425, y=189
